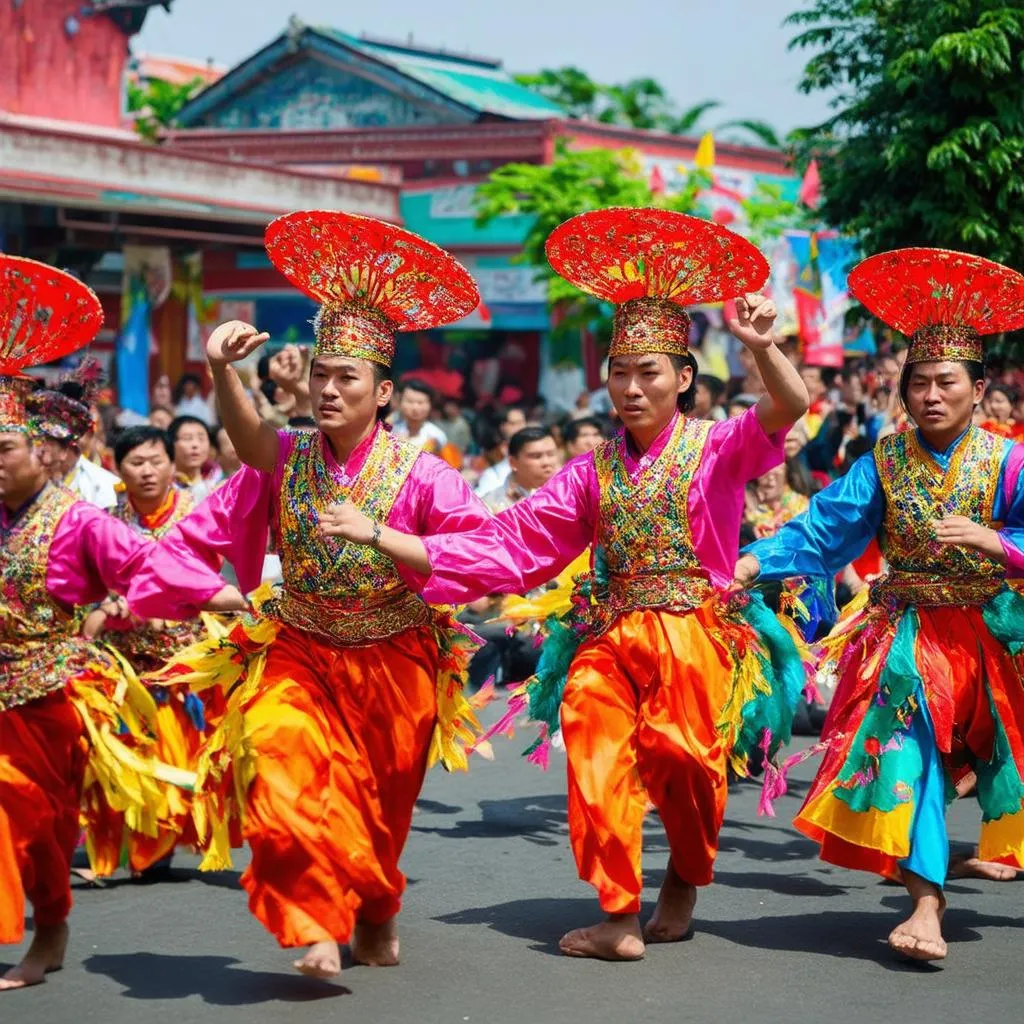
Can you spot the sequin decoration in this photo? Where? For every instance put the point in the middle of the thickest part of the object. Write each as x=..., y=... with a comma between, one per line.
x=348, y=593
x=14, y=392
x=622, y=254
x=644, y=527
x=44, y=314
x=40, y=650
x=344, y=260
x=917, y=493
x=57, y=416
x=918, y=290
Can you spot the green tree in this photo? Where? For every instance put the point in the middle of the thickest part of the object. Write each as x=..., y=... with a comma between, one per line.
x=639, y=103
x=927, y=136
x=157, y=103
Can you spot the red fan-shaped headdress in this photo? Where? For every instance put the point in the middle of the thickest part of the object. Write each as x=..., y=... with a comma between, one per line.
x=371, y=278
x=44, y=314
x=651, y=263
x=944, y=301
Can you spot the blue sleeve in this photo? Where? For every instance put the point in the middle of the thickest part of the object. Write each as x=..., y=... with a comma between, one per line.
x=835, y=529
x=1009, y=507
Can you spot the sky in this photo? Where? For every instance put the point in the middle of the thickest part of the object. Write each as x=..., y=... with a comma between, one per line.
x=729, y=50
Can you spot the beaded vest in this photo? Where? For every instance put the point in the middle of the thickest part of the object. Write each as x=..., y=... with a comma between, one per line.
x=348, y=594
x=644, y=526
x=921, y=570
x=40, y=649
x=149, y=645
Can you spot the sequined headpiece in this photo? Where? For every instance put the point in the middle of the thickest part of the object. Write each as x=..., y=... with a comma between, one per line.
x=44, y=314
x=371, y=278
x=58, y=416
x=651, y=263
x=943, y=301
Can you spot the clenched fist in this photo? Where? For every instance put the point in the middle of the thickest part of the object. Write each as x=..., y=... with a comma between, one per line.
x=346, y=522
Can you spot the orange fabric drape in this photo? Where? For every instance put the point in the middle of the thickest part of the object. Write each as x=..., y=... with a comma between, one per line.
x=42, y=764
x=640, y=713
x=341, y=737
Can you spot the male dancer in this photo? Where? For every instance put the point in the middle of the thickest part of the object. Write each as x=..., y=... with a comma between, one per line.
x=60, y=705
x=352, y=684
x=665, y=688
x=930, y=683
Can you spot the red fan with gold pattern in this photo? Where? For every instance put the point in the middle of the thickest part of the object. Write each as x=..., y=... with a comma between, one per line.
x=44, y=314
x=372, y=279
x=648, y=261
x=942, y=300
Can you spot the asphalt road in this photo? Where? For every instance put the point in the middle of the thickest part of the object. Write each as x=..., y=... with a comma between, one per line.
x=780, y=938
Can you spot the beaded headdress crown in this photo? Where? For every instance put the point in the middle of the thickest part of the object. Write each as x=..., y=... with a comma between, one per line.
x=58, y=416
x=943, y=301
x=651, y=263
x=44, y=314
x=371, y=279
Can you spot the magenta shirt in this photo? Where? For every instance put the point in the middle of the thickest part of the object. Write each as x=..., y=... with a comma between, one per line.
x=533, y=541
x=234, y=522
x=92, y=554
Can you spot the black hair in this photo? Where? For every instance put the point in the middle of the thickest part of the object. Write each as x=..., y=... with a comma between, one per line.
x=381, y=374
x=302, y=423
x=183, y=421
x=413, y=384
x=186, y=378
x=72, y=389
x=798, y=476
x=1011, y=394
x=528, y=435
x=133, y=437
x=688, y=398
x=263, y=367
x=715, y=386
x=514, y=407
x=975, y=370
x=571, y=430
x=269, y=389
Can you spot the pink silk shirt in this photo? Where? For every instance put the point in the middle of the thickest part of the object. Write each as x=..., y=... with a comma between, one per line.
x=92, y=554
x=234, y=522
x=533, y=541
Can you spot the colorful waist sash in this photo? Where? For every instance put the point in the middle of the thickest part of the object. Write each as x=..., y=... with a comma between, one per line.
x=680, y=591
x=356, y=621
x=32, y=669
x=898, y=589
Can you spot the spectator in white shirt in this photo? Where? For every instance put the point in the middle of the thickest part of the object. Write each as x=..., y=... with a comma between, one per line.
x=189, y=401
x=512, y=421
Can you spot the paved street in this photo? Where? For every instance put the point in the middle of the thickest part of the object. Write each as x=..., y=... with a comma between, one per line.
x=779, y=937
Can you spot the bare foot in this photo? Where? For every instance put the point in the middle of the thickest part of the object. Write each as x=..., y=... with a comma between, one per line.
x=618, y=938
x=920, y=936
x=322, y=960
x=967, y=865
x=44, y=956
x=376, y=945
x=673, y=917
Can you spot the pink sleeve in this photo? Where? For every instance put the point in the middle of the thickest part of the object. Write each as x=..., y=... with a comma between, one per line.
x=520, y=548
x=91, y=554
x=743, y=450
x=435, y=500
x=1011, y=536
x=232, y=524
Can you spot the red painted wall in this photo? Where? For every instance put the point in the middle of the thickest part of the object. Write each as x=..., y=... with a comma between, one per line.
x=49, y=73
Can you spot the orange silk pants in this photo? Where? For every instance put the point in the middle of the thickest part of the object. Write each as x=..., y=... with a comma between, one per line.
x=341, y=737
x=42, y=764
x=639, y=714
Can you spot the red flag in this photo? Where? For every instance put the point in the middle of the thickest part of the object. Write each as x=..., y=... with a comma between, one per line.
x=810, y=187
x=657, y=182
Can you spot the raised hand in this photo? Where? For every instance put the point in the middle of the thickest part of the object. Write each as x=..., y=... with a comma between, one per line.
x=754, y=323
x=233, y=341
x=346, y=522
x=286, y=368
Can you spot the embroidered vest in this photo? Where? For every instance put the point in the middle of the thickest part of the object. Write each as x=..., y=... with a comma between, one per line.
x=644, y=526
x=40, y=649
x=917, y=492
x=147, y=647
x=349, y=594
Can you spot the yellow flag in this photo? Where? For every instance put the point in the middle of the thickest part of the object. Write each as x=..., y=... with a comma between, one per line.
x=705, y=157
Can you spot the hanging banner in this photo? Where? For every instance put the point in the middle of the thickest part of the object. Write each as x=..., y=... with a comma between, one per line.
x=145, y=287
